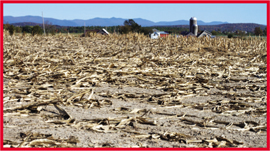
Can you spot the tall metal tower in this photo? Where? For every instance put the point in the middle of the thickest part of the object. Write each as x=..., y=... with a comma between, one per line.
x=43, y=24
x=84, y=30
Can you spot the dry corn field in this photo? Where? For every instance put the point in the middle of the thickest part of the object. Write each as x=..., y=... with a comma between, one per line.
x=131, y=91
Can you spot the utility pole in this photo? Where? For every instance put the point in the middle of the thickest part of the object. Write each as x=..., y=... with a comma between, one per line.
x=84, y=30
x=43, y=24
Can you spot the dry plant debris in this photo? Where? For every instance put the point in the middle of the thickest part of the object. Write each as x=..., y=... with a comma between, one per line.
x=131, y=91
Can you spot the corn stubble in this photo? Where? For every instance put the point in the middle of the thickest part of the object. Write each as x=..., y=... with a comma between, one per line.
x=196, y=92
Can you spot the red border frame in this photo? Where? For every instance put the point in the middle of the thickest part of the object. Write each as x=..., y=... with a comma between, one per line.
x=135, y=1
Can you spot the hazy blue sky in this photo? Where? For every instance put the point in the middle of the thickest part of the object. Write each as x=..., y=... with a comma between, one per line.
x=232, y=13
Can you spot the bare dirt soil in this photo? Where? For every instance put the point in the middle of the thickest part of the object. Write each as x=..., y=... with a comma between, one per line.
x=131, y=91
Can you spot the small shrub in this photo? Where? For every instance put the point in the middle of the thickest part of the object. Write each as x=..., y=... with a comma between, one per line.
x=11, y=30
x=230, y=35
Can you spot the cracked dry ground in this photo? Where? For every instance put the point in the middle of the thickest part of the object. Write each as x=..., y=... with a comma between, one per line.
x=131, y=91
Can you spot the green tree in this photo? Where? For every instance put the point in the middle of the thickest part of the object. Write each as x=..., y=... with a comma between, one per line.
x=125, y=29
x=37, y=30
x=214, y=32
x=130, y=26
x=18, y=29
x=50, y=28
x=265, y=31
x=145, y=31
x=134, y=26
x=11, y=29
x=27, y=29
x=258, y=31
x=6, y=26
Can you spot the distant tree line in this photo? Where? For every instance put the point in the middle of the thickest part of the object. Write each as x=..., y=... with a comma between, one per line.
x=128, y=26
x=34, y=30
x=257, y=32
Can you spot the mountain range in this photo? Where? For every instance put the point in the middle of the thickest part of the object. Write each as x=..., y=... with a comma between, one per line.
x=101, y=21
